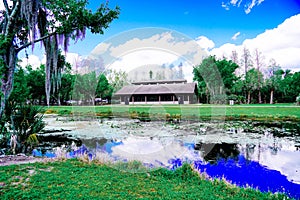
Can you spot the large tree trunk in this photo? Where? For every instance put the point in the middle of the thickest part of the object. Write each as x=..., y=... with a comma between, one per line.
x=9, y=65
x=259, y=96
x=249, y=97
x=271, y=96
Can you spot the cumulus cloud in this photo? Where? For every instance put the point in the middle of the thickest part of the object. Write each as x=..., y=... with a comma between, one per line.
x=235, y=36
x=205, y=43
x=32, y=60
x=133, y=49
x=281, y=43
x=248, y=4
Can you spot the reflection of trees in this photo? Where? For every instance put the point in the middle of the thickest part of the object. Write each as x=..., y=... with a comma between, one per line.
x=214, y=152
x=250, y=150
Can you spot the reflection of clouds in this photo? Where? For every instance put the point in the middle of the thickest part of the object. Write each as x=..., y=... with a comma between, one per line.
x=277, y=155
x=151, y=151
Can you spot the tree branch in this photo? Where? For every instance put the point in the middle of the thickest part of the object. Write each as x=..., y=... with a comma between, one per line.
x=35, y=41
x=6, y=6
x=11, y=18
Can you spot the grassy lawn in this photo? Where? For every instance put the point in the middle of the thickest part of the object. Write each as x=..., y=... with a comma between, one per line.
x=73, y=179
x=236, y=112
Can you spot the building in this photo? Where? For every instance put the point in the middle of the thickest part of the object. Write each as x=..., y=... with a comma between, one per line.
x=158, y=92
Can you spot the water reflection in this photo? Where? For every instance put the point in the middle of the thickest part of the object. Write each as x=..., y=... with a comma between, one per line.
x=267, y=167
x=212, y=152
x=258, y=158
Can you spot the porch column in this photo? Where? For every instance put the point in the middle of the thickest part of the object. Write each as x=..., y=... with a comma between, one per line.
x=145, y=99
x=188, y=99
x=132, y=99
x=173, y=99
x=159, y=99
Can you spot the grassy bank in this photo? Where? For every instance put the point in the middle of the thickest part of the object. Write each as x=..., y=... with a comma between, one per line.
x=73, y=179
x=236, y=112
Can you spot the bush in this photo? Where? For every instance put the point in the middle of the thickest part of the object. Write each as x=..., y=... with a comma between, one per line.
x=25, y=122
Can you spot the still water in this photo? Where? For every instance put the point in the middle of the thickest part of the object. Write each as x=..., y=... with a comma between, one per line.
x=258, y=159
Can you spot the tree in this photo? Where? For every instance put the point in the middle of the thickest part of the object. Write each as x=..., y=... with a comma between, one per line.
x=180, y=71
x=251, y=82
x=36, y=84
x=117, y=79
x=275, y=74
x=246, y=60
x=150, y=74
x=21, y=91
x=215, y=78
x=85, y=87
x=103, y=90
x=67, y=84
x=52, y=22
x=259, y=63
x=62, y=66
x=234, y=57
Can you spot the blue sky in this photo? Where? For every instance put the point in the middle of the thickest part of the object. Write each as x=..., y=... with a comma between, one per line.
x=218, y=26
x=218, y=20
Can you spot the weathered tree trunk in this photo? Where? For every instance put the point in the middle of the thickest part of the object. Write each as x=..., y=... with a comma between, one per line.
x=259, y=96
x=58, y=99
x=9, y=65
x=249, y=97
x=271, y=96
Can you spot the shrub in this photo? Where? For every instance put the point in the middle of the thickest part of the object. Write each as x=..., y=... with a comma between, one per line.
x=25, y=121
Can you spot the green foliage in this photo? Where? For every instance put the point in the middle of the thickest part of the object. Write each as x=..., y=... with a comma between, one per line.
x=117, y=79
x=36, y=84
x=75, y=14
x=215, y=78
x=32, y=140
x=85, y=87
x=20, y=91
x=26, y=121
x=26, y=22
x=103, y=89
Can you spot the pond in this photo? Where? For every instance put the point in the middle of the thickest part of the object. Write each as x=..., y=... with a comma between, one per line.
x=249, y=154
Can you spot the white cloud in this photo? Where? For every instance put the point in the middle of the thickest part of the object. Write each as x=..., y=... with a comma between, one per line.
x=225, y=6
x=234, y=2
x=248, y=4
x=235, y=36
x=205, y=43
x=161, y=47
x=32, y=60
x=281, y=43
x=143, y=57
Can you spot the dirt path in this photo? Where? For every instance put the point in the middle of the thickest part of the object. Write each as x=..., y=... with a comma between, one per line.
x=19, y=159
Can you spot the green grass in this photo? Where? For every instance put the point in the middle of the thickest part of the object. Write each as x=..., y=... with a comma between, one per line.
x=236, y=112
x=73, y=179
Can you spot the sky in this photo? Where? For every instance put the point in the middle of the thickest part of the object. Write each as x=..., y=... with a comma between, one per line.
x=153, y=29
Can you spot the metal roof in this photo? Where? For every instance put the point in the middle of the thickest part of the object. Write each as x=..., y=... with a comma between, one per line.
x=159, y=82
x=187, y=88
